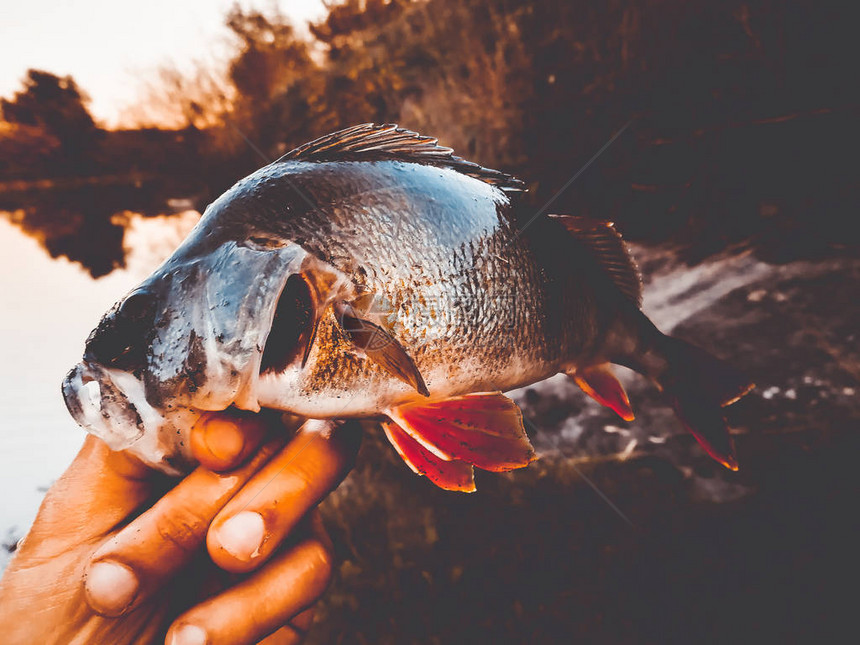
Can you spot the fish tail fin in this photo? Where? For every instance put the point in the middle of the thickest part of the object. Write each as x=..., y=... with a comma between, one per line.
x=699, y=385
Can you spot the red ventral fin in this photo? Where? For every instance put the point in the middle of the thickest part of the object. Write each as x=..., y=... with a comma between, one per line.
x=448, y=475
x=485, y=430
x=598, y=382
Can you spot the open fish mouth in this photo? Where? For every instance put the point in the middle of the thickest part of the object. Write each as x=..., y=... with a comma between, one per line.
x=221, y=320
x=111, y=405
x=97, y=404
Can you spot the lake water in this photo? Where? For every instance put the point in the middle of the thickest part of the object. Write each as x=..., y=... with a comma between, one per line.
x=49, y=307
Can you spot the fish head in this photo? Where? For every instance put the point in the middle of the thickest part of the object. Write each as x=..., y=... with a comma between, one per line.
x=193, y=336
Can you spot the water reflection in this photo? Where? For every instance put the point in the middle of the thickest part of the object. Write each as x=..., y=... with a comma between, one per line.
x=49, y=308
x=84, y=219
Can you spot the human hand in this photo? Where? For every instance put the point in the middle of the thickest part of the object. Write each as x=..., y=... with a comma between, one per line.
x=91, y=570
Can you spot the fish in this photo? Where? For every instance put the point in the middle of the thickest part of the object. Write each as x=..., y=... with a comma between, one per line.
x=372, y=273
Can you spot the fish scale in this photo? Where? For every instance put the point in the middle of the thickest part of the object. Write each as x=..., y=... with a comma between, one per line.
x=477, y=258
x=372, y=273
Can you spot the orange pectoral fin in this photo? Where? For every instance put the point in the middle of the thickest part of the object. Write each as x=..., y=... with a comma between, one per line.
x=380, y=346
x=485, y=430
x=448, y=475
x=598, y=382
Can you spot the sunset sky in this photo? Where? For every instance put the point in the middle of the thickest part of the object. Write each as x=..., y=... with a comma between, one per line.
x=109, y=46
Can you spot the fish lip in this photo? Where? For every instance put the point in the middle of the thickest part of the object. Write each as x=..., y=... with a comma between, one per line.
x=100, y=406
x=70, y=395
x=110, y=405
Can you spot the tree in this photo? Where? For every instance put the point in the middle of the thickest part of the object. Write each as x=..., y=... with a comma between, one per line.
x=271, y=55
x=57, y=107
x=49, y=101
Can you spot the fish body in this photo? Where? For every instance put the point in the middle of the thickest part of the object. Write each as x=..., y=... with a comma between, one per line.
x=440, y=254
x=371, y=273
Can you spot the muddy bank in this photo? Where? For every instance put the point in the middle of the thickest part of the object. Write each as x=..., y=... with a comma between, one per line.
x=627, y=533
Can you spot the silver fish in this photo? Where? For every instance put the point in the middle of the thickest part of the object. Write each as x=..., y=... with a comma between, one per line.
x=372, y=273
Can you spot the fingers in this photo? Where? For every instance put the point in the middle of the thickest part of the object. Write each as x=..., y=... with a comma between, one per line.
x=279, y=594
x=139, y=559
x=223, y=440
x=292, y=633
x=255, y=522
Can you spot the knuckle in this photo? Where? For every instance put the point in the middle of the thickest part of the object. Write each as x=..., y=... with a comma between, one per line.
x=320, y=560
x=182, y=527
x=302, y=483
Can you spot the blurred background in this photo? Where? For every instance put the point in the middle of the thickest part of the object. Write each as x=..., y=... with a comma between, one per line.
x=736, y=179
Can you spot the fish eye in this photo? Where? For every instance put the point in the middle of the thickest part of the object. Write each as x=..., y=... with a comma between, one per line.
x=119, y=339
x=292, y=326
x=137, y=304
x=264, y=243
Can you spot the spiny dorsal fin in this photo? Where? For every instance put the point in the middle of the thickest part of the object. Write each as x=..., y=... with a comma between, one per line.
x=389, y=140
x=610, y=250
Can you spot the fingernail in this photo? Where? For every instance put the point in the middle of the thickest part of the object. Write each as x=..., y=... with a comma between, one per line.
x=224, y=439
x=111, y=587
x=188, y=635
x=242, y=535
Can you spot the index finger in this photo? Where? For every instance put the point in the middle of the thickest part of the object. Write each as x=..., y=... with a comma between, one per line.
x=222, y=441
x=249, y=529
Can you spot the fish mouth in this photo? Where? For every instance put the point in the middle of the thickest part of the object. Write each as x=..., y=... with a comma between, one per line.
x=224, y=329
x=101, y=407
x=111, y=405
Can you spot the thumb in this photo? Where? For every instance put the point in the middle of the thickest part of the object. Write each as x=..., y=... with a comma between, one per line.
x=98, y=492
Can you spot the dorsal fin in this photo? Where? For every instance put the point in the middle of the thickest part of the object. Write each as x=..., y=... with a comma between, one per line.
x=389, y=140
x=609, y=248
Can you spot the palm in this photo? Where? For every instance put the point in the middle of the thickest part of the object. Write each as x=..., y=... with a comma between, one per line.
x=85, y=508
x=95, y=569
